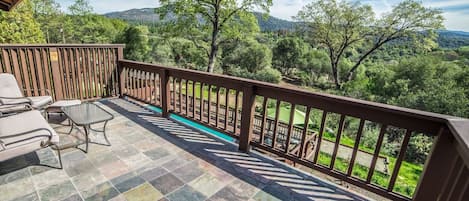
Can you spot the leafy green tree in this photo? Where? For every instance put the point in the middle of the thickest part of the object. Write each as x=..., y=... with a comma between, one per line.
x=342, y=26
x=250, y=55
x=208, y=23
x=81, y=8
x=185, y=53
x=48, y=14
x=83, y=26
x=20, y=26
x=136, y=43
x=289, y=53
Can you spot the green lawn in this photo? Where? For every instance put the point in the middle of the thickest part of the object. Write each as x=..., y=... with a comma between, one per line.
x=406, y=181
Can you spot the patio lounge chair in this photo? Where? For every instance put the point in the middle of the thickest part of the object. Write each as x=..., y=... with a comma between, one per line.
x=26, y=132
x=12, y=99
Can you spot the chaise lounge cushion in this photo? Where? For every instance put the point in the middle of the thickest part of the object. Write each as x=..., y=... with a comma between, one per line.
x=10, y=94
x=29, y=141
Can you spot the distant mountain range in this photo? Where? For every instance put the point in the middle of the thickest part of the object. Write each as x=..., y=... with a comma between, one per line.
x=446, y=39
x=148, y=16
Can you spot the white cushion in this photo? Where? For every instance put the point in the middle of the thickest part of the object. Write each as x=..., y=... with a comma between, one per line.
x=8, y=86
x=30, y=141
x=63, y=103
x=39, y=102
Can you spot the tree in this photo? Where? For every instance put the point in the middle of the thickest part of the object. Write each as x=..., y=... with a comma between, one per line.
x=136, y=43
x=342, y=26
x=48, y=14
x=208, y=23
x=289, y=53
x=83, y=26
x=81, y=8
x=19, y=25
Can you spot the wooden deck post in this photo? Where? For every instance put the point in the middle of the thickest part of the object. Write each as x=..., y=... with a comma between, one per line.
x=165, y=90
x=247, y=116
x=56, y=76
x=120, y=71
x=436, y=169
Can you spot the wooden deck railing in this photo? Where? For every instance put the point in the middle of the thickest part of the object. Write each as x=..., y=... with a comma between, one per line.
x=238, y=107
x=213, y=99
x=68, y=71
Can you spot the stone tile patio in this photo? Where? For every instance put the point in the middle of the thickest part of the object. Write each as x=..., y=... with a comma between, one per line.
x=153, y=158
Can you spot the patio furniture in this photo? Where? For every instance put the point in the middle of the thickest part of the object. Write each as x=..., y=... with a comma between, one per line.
x=11, y=95
x=85, y=115
x=56, y=107
x=26, y=132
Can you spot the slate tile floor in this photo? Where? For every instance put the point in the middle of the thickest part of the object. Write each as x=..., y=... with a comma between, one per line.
x=152, y=158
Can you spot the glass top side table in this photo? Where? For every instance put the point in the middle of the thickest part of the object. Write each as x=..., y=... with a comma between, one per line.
x=85, y=115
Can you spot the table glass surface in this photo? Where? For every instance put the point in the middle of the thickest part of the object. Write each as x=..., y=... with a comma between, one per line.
x=86, y=113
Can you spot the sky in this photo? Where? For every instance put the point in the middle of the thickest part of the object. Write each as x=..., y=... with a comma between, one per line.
x=455, y=12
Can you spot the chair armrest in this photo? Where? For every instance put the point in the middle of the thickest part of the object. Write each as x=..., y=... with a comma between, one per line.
x=45, y=90
x=2, y=145
x=14, y=100
x=26, y=132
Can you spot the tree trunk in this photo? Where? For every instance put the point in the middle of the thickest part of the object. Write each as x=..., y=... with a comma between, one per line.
x=213, y=50
x=335, y=75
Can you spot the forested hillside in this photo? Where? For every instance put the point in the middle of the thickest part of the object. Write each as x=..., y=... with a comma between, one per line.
x=378, y=58
x=147, y=16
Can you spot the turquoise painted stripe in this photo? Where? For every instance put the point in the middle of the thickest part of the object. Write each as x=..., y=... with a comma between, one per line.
x=195, y=125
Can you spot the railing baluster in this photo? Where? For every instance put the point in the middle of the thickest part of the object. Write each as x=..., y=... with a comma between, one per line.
x=201, y=102
x=96, y=75
x=356, y=147
x=39, y=68
x=45, y=61
x=156, y=89
x=227, y=107
x=379, y=142
x=165, y=96
x=193, y=99
x=275, y=133
x=67, y=69
x=187, y=97
x=174, y=94
x=304, y=133
x=321, y=132
x=6, y=61
x=32, y=70
x=290, y=127
x=235, y=123
x=217, y=115
x=264, y=117
x=209, y=101
x=337, y=140
x=180, y=96
x=27, y=85
x=399, y=160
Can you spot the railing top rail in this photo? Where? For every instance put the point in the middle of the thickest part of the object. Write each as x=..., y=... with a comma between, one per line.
x=334, y=103
x=61, y=45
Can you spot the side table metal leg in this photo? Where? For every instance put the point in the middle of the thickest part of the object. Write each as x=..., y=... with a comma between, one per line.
x=71, y=126
x=104, y=132
x=86, y=137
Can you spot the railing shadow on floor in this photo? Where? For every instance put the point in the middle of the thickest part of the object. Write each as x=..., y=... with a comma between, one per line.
x=276, y=179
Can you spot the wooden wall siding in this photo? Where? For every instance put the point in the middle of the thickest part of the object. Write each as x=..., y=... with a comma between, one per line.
x=83, y=72
x=238, y=107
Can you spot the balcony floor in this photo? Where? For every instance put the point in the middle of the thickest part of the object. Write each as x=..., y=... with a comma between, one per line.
x=153, y=158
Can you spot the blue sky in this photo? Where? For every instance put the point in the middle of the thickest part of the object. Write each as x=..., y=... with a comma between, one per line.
x=456, y=12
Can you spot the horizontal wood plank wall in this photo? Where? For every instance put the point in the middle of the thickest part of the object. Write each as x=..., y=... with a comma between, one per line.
x=68, y=71
x=217, y=101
